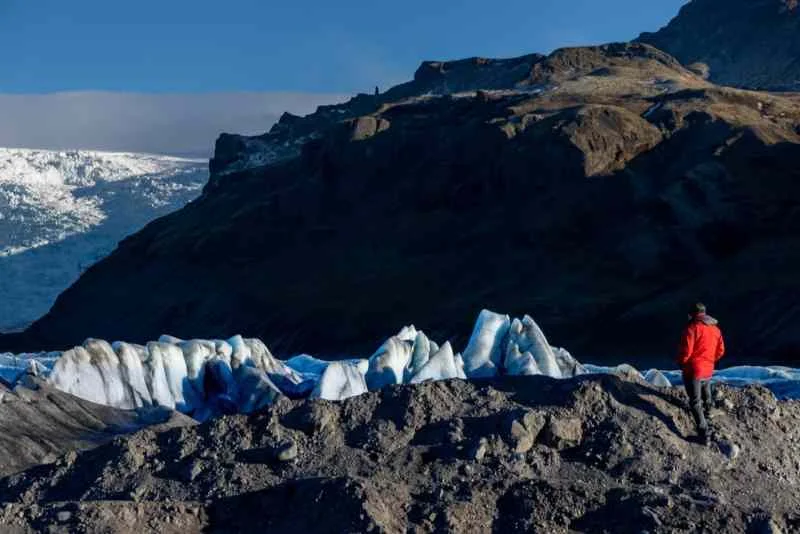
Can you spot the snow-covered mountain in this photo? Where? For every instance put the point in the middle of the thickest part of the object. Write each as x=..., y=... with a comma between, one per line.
x=60, y=211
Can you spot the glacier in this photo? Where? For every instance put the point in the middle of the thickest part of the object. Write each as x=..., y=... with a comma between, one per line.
x=204, y=378
x=61, y=211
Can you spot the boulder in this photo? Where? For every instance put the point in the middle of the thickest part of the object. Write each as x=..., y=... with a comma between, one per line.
x=562, y=433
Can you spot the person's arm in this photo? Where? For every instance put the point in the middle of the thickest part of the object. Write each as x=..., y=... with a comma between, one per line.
x=686, y=347
x=720, y=348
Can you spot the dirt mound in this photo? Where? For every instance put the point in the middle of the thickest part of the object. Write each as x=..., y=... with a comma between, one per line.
x=591, y=454
x=39, y=423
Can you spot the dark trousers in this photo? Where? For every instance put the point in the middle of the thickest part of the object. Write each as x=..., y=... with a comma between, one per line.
x=700, y=402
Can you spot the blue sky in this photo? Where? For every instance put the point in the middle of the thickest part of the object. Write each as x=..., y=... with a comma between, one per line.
x=317, y=46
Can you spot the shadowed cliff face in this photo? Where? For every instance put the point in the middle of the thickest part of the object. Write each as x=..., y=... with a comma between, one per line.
x=600, y=192
x=746, y=43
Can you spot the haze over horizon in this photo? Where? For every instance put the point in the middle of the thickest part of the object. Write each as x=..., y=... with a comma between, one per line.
x=169, y=77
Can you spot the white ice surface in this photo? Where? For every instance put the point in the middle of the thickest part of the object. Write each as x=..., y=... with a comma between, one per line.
x=440, y=366
x=420, y=353
x=528, y=352
x=387, y=366
x=484, y=352
x=307, y=365
x=339, y=381
x=12, y=365
x=61, y=211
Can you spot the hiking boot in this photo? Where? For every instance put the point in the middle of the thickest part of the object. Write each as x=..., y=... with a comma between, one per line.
x=704, y=437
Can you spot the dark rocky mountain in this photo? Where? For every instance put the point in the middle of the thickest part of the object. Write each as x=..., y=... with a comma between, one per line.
x=746, y=43
x=599, y=189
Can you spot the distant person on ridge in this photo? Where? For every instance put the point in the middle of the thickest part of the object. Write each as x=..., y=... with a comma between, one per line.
x=701, y=347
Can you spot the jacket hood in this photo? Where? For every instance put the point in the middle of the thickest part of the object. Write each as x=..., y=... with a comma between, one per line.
x=706, y=319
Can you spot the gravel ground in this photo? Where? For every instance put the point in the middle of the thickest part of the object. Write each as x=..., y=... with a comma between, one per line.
x=591, y=454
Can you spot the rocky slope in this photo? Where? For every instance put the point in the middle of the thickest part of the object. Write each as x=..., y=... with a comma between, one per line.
x=746, y=43
x=532, y=454
x=599, y=189
x=38, y=423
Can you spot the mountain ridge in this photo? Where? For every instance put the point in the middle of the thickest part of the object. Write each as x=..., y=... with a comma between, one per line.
x=603, y=189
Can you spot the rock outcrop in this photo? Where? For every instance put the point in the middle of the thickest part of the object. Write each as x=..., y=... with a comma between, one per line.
x=745, y=43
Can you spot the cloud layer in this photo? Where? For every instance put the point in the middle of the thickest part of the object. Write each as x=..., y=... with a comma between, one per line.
x=180, y=124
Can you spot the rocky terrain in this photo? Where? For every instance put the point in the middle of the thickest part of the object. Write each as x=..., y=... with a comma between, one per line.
x=513, y=454
x=744, y=43
x=39, y=423
x=598, y=188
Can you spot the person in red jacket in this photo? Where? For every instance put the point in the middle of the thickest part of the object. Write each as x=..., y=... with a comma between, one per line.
x=701, y=348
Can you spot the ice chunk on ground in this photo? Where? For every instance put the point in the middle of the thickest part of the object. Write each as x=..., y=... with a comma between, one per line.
x=219, y=386
x=657, y=378
x=196, y=353
x=307, y=365
x=482, y=357
x=255, y=389
x=762, y=374
x=459, y=366
x=519, y=364
x=156, y=378
x=567, y=364
x=408, y=333
x=362, y=366
x=224, y=349
x=175, y=373
x=341, y=380
x=280, y=374
x=241, y=354
x=172, y=340
x=528, y=352
x=387, y=366
x=12, y=366
x=627, y=372
x=440, y=366
x=132, y=372
x=105, y=360
x=420, y=353
x=36, y=369
x=75, y=373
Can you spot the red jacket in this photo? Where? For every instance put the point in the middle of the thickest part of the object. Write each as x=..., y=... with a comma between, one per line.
x=701, y=347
